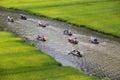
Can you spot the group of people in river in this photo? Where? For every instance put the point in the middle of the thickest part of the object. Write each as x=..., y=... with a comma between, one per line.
x=21, y=16
x=93, y=39
x=10, y=19
x=72, y=39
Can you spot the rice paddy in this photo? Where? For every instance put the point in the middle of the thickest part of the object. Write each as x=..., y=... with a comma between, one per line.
x=100, y=15
x=21, y=61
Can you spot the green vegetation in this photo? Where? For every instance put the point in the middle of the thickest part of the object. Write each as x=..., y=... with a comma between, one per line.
x=105, y=78
x=101, y=15
x=20, y=61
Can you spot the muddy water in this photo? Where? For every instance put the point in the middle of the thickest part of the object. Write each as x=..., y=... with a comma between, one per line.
x=102, y=60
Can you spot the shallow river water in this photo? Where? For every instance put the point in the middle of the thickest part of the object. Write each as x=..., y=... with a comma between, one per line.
x=101, y=60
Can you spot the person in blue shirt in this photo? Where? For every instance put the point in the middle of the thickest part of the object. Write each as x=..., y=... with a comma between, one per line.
x=94, y=38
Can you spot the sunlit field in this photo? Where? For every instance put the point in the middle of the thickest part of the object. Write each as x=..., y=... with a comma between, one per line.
x=20, y=61
x=101, y=15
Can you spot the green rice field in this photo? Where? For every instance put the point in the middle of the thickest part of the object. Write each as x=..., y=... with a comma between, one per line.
x=101, y=15
x=21, y=61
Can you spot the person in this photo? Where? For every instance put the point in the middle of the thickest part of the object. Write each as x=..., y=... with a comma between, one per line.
x=94, y=38
x=41, y=37
x=72, y=39
x=77, y=52
x=38, y=35
x=42, y=23
x=70, y=32
x=22, y=16
x=10, y=19
x=66, y=31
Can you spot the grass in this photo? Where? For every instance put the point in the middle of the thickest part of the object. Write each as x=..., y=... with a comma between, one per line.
x=101, y=15
x=20, y=61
